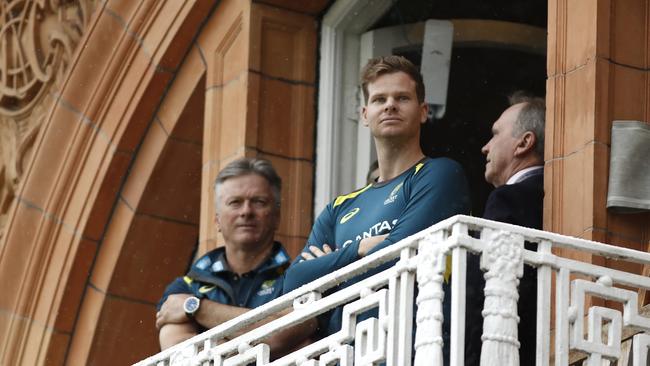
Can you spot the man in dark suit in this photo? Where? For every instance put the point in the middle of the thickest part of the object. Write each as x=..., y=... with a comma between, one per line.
x=514, y=166
x=515, y=158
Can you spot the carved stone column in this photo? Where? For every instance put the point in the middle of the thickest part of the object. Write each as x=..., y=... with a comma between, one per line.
x=429, y=318
x=503, y=262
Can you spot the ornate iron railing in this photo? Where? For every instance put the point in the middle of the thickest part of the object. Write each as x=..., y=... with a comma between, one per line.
x=421, y=263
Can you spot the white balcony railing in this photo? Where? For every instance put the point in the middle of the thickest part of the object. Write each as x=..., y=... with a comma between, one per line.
x=422, y=259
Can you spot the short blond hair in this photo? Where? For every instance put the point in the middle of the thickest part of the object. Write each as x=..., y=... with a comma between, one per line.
x=383, y=65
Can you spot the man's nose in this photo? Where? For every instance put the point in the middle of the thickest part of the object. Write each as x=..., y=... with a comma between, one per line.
x=390, y=105
x=485, y=149
x=246, y=209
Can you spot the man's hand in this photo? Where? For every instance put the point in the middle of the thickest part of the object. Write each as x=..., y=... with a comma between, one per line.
x=175, y=326
x=366, y=244
x=316, y=252
x=172, y=311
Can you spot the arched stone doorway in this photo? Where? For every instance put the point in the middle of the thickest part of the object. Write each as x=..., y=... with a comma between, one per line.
x=152, y=231
x=110, y=206
x=101, y=133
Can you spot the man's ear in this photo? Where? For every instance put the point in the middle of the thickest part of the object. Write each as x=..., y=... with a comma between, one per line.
x=364, y=116
x=216, y=222
x=424, y=111
x=526, y=143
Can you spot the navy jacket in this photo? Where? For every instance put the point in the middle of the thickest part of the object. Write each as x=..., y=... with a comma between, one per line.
x=520, y=203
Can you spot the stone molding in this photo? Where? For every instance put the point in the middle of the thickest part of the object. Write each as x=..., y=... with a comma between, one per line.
x=260, y=79
x=80, y=206
x=38, y=41
x=128, y=57
x=597, y=73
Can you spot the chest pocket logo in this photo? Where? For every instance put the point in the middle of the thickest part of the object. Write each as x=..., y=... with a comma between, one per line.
x=393, y=195
x=266, y=288
x=349, y=215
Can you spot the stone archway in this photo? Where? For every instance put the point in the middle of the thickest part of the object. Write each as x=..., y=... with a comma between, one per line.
x=152, y=232
x=91, y=139
x=108, y=210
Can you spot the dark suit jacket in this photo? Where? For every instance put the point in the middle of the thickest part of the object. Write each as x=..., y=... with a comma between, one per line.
x=520, y=204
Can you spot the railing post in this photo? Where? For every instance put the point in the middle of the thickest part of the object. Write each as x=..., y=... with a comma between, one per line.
x=401, y=310
x=430, y=270
x=543, y=335
x=503, y=262
x=562, y=294
x=458, y=295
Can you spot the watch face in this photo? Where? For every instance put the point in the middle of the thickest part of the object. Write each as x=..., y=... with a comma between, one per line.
x=191, y=305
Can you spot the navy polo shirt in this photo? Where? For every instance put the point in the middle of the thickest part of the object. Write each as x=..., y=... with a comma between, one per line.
x=211, y=278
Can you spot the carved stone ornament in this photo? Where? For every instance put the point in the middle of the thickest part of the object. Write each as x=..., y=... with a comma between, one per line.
x=503, y=261
x=429, y=316
x=37, y=42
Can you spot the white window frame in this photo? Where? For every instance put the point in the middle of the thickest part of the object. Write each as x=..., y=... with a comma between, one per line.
x=341, y=154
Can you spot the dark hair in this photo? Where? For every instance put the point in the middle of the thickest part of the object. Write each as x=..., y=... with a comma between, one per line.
x=245, y=166
x=383, y=65
x=531, y=118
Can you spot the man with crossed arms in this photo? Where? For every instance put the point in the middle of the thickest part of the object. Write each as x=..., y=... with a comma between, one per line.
x=412, y=192
x=245, y=273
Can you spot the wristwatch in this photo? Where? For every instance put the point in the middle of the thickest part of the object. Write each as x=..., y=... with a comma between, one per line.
x=191, y=306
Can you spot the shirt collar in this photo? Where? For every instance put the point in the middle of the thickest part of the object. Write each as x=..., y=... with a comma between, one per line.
x=277, y=258
x=524, y=173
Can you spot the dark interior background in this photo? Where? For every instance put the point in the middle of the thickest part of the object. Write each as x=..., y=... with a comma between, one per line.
x=480, y=80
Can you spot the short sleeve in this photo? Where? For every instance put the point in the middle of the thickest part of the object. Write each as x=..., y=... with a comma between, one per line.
x=177, y=286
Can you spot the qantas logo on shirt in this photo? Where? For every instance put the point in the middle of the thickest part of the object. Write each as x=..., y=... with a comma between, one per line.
x=349, y=215
x=379, y=228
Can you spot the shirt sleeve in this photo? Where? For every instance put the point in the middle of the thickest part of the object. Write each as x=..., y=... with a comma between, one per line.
x=321, y=233
x=302, y=271
x=177, y=286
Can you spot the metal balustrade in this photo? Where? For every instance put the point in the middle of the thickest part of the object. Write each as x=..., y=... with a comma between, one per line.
x=421, y=263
